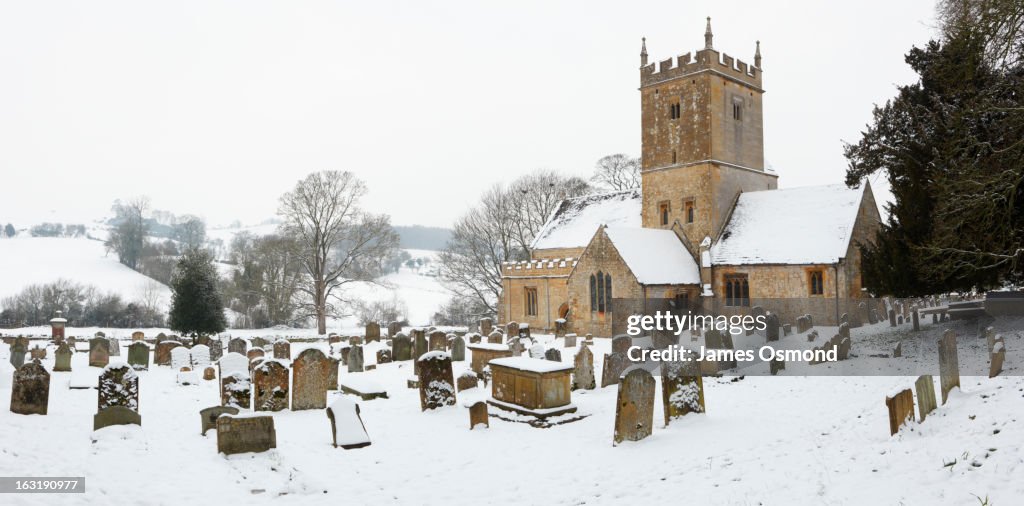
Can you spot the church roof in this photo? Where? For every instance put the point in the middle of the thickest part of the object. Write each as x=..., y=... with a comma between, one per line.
x=655, y=256
x=807, y=225
x=572, y=225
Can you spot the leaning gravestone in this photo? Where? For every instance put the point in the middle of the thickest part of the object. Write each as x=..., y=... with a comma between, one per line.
x=634, y=408
x=458, y=349
x=115, y=347
x=208, y=417
x=62, y=358
x=311, y=372
x=347, y=428
x=949, y=368
x=118, y=386
x=138, y=355
x=401, y=348
x=271, y=381
x=30, y=391
x=437, y=384
x=115, y=415
x=162, y=352
x=682, y=389
x=282, y=350
x=621, y=344
x=99, y=352
x=244, y=434
x=237, y=345
x=925, y=387
x=372, y=332
x=614, y=365
x=901, y=409
x=355, y=359
x=583, y=370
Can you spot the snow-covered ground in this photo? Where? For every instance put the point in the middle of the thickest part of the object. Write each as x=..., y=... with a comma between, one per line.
x=764, y=440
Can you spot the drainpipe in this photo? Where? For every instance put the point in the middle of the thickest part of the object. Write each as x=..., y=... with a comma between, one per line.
x=835, y=268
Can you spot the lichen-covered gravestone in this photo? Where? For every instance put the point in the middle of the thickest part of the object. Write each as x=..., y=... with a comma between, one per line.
x=614, y=365
x=270, y=379
x=118, y=386
x=437, y=383
x=901, y=409
x=621, y=344
x=583, y=370
x=99, y=352
x=138, y=356
x=30, y=391
x=282, y=349
x=438, y=341
x=245, y=433
x=401, y=348
x=372, y=332
x=355, y=359
x=237, y=345
x=347, y=428
x=310, y=370
x=682, y=389
x=332, y=373
x=634, y=408
x=553, y=355
x=478, y=415
x=162, y=352
x=458, y=349
x=949, y=368
x=62, y=358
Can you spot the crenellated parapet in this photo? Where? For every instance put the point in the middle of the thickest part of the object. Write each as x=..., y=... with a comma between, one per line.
x=703, y=61
x=544, y=267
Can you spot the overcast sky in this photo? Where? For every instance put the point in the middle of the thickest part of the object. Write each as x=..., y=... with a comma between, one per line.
x=216, y=108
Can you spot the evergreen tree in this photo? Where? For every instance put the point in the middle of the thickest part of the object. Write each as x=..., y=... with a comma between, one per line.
x=196, y=304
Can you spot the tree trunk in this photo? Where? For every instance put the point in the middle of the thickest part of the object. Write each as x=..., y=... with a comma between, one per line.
x=321, y=308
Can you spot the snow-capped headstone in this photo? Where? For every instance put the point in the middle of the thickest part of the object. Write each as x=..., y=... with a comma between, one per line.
x=901, y=409
x=553, y=355
x=478, y=415
x=682, y=389
x=949, y=368
x=437, y=384
x=162, y=353
x=634, y=408
x=138, y=336
x=255, y=353
x=537, y=351
x=118, y=386
x=347, y=428
x=844, y=330
x=495, y=337
x=138, y=355
x=115, y=347
x=372, y=332
x=245, y=433
x=282, y=349
x=996, y=357
x=467, y=380
x=115, y=415
x=30, y=390
x=237, y=345
x=62, y=358
x=925, y=387
x=235, y=389
x=311, y=371
x=486, y=325
x=355, y=359
x=99, y=352
x=181, y=357
x=208, y=417
x=200, y=356
x=458, y=349
x=512, y=329
x=438, y=341
x=583, y=370
x=270, y=380
x=560, y=327
x=614, y=365
x=401, y=348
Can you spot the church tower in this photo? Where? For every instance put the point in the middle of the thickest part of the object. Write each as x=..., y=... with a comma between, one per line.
x=702, y=138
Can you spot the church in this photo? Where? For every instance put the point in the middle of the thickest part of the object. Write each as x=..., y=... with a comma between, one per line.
x=709, y=231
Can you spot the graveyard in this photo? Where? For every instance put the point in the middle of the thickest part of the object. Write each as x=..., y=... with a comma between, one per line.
x=293, y=422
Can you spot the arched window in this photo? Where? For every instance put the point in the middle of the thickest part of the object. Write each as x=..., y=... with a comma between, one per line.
x=593, y=293
x=817, y=283
x=737, y=290
x=608, y=292
x=746, y=293
x=728, y=292
x=600, y=292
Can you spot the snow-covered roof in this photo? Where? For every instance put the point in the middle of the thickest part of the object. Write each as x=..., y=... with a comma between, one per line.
x=807, y=225
x=655, y=256
x=573, y=224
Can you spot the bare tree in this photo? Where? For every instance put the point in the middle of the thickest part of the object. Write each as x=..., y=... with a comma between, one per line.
x=617, y=172
x=128, y=237
x=340, y=243
x=535, y=196
x=281, y=262
x=151, y=296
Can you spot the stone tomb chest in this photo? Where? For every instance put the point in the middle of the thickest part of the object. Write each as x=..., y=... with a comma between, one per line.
x=482, y=353
x=531, y=386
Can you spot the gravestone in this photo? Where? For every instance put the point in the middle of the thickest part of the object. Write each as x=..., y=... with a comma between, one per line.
x=99, y=352
x=949, y=368
x=517, y=347
x=270, y=380
x=115, y=347
x=438, y=341
x=245, y=434
x=138, y=356
x=401, y=348
x=899, y=319
x=570, y=340
x=634, y=407
x=925, y=387
x=344, y=355
x=437, y=384
x=614, y=365
x=486, y=325
x=209, y=374
x=115, y=415
x=537, y=351
x=181, y=357
x=786, y=329
x=917, y=320
x=844, y=330
x=802, y=324
x=996, y=358
x=200, y=355
x=419, y=343
x=512, y=329
x=372, y=332
x=775, y=365
x=216, y=350
x=583, y=370
x=310, y=372
x=255, y=353
x=203, y=340
x=118, y=386
x=347, y=428
x=208, y=417
x=892, y=317
x=458, y=349
x=473, y=338
x=237, y=345
x=138, y=336
x=897, y=350
x=235, y=389
x=478, y=415
x=560, y=327
x=901, y=409
x=467, y=380
x=355, y=359
x=332, y=373
x=18, y=354
x=621, y=344
x=30, y=390
x=394, y=328
x=495, y=337
x=259, y=342
x=282, y=349
x=524, y=330
x=37, y=353
x=844, y=349
x=162, y=353
x=873, y=316
x=384, y=356
x=553, y=355
x=771, y=331
x=62, y=358
x=682, y=388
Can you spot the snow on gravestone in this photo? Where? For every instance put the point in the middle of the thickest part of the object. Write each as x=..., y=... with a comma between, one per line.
x=634, y=408
x=310, y=373
x=282, y=350
x=583, y=372
x=235, y=385
x=118, y=386
x=30, y=391
x=537, y=351
x=99, y=352
x=62, y=358
x=181, y=357
x=495, y=337
x=138, y=356
x=682, y=389
x=347, y=428
x=200, y=356
x=949, y=368
x=270, y=379
x=115, y=347
x=437, y=383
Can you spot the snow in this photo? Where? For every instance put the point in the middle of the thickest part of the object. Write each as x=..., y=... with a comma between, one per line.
x=537, y=365
x=655, y=256
x=806, y=225
x=575, y=221
x=348, y=429
x=488, y=346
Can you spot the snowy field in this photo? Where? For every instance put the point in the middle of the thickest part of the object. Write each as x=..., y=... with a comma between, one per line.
x=764, y=440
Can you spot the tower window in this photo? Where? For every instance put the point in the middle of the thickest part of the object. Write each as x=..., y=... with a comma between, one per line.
x=688, y=210
x=663, y=211
x=674, y=111
x=673, y=156
x=737, y=290
x=737, y=110
x=531, y=302
x=817, y=282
